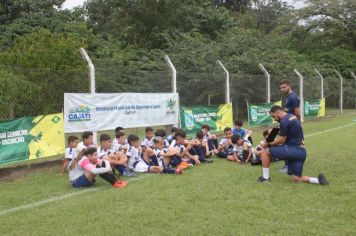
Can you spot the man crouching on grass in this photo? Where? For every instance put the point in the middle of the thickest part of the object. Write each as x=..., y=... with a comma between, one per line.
x=289, y=146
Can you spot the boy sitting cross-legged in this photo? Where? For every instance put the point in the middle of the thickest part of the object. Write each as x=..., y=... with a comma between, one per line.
x=120, y=143
x=162, y=153
x=146, y=162
x=200, y=147
x=70, y=152
x=242, y=150
x=225, y=148
x=86, y=166
x=116, y=158
x=182, y=158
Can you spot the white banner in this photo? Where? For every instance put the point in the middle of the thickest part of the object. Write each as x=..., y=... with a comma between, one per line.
x=94, y=112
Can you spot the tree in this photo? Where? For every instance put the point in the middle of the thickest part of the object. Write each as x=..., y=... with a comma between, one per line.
x=50, y=64
x=326, y=23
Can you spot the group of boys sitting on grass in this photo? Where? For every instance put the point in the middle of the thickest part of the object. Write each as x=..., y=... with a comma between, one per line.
x=156, y=153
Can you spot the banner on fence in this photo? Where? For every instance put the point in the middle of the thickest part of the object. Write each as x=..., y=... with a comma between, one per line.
x=217, y=117
x=30, y=138
x=84, y=111
x=258, y=114
x=314, y=108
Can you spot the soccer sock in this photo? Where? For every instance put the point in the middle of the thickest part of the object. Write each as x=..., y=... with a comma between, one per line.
x=121, y=168
x=265, y=173
x=216, y=143
x=313, y=180
x=154, y=160
x=169, y=171
x=245, y=155
x=108, y=177
x=211, y=144
x=200, y=152
x=175, y=160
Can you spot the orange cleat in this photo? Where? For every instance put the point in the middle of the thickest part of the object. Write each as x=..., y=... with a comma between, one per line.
x=120, y=184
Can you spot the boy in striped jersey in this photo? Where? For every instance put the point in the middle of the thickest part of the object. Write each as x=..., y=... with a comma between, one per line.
x=116, y=158
x=145, y=162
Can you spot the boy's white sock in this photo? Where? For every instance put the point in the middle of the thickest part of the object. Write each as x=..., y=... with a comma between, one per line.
x=265, y=173
x=313, y=180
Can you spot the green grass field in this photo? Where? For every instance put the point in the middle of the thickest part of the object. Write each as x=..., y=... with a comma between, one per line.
x=221, y=198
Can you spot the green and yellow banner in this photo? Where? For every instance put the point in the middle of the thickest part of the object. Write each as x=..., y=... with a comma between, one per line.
x=314, y=108
x=258, y=114
x=217, y=117
x=29, y=138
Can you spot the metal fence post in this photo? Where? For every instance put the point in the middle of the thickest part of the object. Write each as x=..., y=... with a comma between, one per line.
x=227, y=83
x=354, y=76
x=91, y=79
x=268, y=83
x=341, y=100
x=321, y=83
x=301, y=95
x=174, y=83
x=174, y=73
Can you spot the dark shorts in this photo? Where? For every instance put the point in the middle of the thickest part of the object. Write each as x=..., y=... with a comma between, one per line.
x=293, y=154
x=82, y=181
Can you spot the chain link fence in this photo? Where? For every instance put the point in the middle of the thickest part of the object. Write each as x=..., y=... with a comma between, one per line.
x=35, y=91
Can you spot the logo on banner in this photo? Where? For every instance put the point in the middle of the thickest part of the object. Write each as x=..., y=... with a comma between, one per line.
x=170, y=104
x=254, y=113
x=189, y=119
x=79, y=113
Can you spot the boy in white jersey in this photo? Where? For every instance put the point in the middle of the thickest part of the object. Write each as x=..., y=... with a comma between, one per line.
x=225, y=148
x=162, y=153
x=148, y=141
x=120, y=143
x=84, y=169
x=144, y=162
x=162, y=134
x=242, y=150
x=116, y=158
x=70, y=152
x=211, y=139
x=87, y=142
x=119, y=132
x=172, y=135
x=183, y=158
x=200, y=147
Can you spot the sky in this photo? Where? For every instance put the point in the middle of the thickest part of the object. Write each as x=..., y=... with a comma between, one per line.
x=69, y=4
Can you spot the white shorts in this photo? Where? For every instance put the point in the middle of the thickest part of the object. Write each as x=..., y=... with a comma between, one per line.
x=141, y=167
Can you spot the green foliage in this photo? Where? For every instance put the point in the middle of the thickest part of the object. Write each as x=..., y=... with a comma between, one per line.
x=128, y=39
x=47, y=61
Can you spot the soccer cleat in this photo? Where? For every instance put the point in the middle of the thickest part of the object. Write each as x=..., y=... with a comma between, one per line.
x=120, y=184
x=179, y=171
x=263, y=180
x=322, y=180
x=284, y=169
x=183, y=165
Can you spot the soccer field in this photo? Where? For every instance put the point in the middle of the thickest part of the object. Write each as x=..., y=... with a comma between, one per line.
x=221, y=198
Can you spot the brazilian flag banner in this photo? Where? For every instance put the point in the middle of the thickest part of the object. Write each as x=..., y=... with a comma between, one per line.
x=29, y=138
x=314, y=108
x=217, y=117
x=258, y=114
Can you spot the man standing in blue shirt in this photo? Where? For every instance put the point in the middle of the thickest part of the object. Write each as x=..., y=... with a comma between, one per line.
x=288, y=146
x=292, y=102
x=291, y=106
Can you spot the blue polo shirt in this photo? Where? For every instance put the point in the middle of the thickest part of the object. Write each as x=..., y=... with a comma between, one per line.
x=290, y=126
x=241, y=132
x=292, y=102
